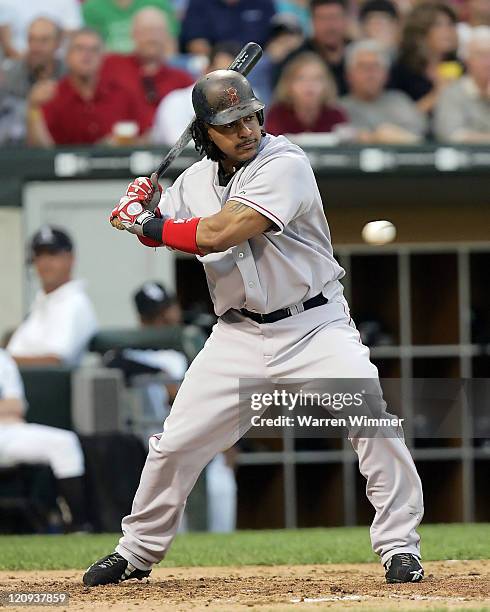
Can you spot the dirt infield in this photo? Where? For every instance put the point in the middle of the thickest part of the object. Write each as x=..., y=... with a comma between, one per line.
x=448, y=585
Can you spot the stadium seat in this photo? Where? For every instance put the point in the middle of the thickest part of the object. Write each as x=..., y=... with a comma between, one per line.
x=48, y=393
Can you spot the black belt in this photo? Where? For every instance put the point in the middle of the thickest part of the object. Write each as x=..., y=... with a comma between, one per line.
x=283, y=313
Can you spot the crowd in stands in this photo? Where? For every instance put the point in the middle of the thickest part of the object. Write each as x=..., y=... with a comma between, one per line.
x=118, y=71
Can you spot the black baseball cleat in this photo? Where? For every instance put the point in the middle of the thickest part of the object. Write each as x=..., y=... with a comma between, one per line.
x=403, y=567
x=112, y=570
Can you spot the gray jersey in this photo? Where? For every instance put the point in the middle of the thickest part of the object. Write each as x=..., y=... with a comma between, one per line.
x=284, y=266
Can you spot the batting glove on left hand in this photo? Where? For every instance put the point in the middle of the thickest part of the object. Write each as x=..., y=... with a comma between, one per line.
x=130, y=214
x=147, y=188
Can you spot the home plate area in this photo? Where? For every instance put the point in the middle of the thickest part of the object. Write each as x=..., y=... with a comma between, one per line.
x=448, y=585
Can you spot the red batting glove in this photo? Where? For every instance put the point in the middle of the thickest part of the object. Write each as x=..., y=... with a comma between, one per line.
x=148, y=188
x=132, y=214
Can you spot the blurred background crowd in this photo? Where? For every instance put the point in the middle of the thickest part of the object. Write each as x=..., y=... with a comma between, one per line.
x=121, y=71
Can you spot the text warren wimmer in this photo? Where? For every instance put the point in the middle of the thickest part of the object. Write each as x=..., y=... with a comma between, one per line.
x=306, y=420
x=334, y=401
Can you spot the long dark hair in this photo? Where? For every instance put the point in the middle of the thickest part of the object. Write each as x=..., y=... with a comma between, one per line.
x=413, y=46
x=202, y=143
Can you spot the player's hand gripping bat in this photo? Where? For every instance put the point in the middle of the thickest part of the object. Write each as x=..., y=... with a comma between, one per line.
x=243, y=63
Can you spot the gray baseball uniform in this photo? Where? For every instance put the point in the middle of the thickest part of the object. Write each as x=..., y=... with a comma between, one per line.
x=283, y=267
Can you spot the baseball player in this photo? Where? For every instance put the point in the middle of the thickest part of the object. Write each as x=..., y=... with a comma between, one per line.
x=252, y=213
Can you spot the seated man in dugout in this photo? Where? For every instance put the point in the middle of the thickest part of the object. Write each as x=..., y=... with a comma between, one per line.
x=62, y=320
x=22, y=442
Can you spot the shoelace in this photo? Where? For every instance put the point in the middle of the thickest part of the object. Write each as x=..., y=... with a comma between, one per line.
x=110, y=561
x=406, y=559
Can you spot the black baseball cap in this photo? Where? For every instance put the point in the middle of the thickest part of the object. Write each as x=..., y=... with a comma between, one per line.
x=378, y=6
x=50, y=239
x=151, y=298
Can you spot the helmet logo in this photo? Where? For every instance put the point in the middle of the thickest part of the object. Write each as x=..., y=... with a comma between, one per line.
x=233, y=96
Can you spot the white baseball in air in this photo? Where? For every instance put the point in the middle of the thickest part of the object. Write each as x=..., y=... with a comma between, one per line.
x=378, y=232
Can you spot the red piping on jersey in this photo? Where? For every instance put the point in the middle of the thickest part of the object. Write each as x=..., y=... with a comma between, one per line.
x=281, y=224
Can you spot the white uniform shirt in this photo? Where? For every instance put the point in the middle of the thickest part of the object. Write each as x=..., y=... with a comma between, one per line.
x=11, y=386
x=60, y=323
x=284, y=266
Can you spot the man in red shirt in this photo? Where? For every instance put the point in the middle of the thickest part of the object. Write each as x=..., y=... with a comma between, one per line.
x=84, y=106
x=145, y=71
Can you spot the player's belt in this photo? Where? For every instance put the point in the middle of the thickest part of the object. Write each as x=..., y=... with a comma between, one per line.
x=283, y=313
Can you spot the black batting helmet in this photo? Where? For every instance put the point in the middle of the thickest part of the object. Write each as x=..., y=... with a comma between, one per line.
x=224, y=96
x=221, y=97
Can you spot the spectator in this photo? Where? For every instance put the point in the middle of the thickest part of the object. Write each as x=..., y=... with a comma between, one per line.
x=145, y=72
x=285, y=37
x=62, y=320
x=208, y=22
x=330, y=22
x=40, y=61
x=463, y=109
x=478, y=15
x=113, y=20
x=299, y=9
x=16, y=17
x=22, y=442
x=427, y=54
x=175, y=111
x=304, y=99
x=12, y=116
x=379, y=116
x=380, y=21
x=83, y=107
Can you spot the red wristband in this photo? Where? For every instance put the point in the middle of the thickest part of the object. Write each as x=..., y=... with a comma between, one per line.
x=149, y=242
x=180, y=234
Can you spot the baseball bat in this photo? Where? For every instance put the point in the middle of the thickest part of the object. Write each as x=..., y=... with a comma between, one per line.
x=243, y=63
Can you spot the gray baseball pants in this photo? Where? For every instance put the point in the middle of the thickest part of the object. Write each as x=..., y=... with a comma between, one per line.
x=204, y=420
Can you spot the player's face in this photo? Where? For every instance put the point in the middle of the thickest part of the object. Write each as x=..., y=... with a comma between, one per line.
x=53, y=269
x=239, y=140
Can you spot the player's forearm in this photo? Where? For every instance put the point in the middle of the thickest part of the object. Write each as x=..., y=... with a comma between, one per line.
x=207, y=237
x=234, y=224
x=214, y=237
